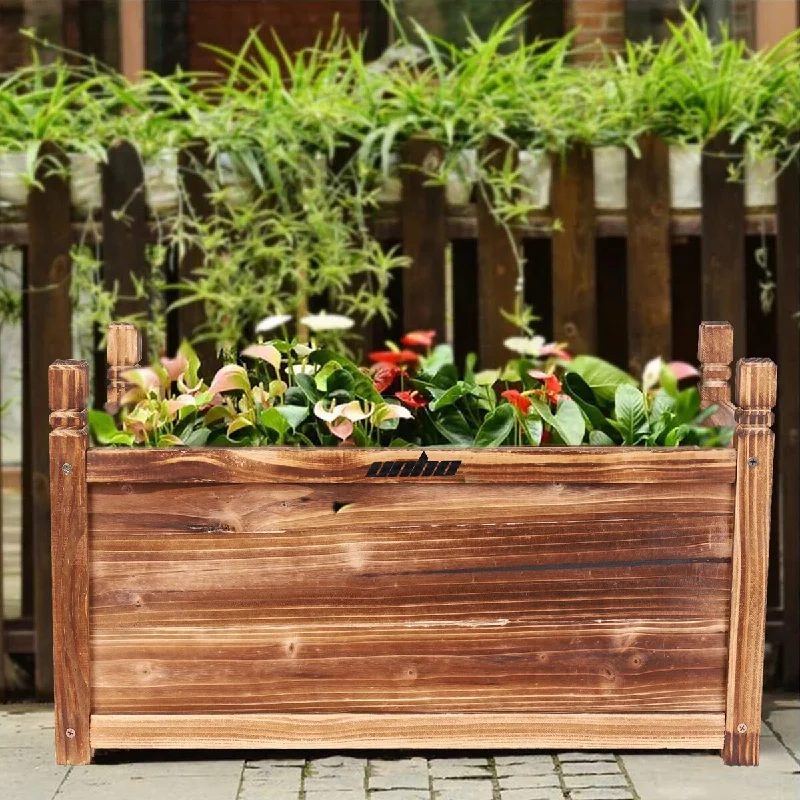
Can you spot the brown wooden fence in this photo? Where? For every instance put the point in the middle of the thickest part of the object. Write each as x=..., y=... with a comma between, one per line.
x=626, y=286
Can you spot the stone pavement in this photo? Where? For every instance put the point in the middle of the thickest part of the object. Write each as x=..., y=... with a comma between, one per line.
x=28, y=771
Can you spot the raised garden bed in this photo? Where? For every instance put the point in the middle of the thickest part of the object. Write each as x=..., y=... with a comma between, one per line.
x=349, y=597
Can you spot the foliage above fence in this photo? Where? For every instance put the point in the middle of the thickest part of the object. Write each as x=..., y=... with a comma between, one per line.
x=294, y=154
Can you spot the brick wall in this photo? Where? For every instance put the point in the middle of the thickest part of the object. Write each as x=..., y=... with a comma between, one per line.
x=599, y=21
x=226, y=23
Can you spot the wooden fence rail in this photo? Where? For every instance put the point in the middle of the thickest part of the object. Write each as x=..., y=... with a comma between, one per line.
x=627, y=285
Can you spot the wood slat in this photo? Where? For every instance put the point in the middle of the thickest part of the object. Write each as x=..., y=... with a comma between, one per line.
x=349, y=465
x=648, y=269
x=424, y=229
x=499, y=265
x=574, y=281
x=124, y=239
x=68, y=392
x=409, y=731
x=787, y=302
x=756, y=390
x=723, y=255
x=448, y=597
x=49, y=327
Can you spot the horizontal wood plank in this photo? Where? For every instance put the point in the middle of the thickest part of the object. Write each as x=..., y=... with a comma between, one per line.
x=417, y=731
x=350, y=465
x=360, y=597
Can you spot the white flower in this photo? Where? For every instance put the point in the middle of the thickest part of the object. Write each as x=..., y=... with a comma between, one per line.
x=303, y=350
x=327, y=322
x=651, y=374
x=525, y=346
x=303, y=369
x=388, y=411
x=270, y=323
x=351, y=411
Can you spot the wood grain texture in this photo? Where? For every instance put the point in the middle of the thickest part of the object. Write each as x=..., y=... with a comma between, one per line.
x=649, y=269
x=715, y=354
x=447, y=598
x=787, y=301
x=49, y=319
x=123, y=352
x=756, y=391
x=500, y=281
x=526, y=465
x=722, y=243
x=409, y=731
x=574, y=282
x=68, y=392
x=424, y=218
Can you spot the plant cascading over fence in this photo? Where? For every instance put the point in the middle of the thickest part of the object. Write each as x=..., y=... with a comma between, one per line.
x=298, y=152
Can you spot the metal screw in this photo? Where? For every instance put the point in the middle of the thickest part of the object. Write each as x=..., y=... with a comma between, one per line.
x=66, y=469
x=752, y=461
x=70, y=733
x=741, y=727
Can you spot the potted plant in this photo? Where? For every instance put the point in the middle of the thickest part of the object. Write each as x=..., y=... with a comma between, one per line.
x=452, y=590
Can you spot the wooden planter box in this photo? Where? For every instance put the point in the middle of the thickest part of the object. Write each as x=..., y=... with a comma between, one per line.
x=508, y=598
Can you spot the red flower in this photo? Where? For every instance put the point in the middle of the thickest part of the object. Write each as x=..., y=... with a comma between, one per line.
x=412, y=399
x=383, y=375
x=419, y=338
x=395, y=356
x=519, y=401
x=545, y=436
x=552, y=385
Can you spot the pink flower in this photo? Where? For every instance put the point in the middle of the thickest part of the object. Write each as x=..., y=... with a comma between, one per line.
x=177, y=403
x=266, y=352
x=419, y=338
x=143, y=377
x=230, y=378
x=175, y=367
x=555, y=349
x=681, y=370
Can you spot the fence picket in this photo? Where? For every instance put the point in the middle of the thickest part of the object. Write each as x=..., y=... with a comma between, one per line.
x=722, y=223
x=48, y=311
x=574, y=281
x=787, y=277
x=124, y=240
x=648, y=268
x=498, y=272
x=424, y=225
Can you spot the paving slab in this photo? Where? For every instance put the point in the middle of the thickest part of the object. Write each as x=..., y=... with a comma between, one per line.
x=703, y=776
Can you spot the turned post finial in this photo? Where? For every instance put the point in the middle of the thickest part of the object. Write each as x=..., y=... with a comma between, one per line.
x=124, y=352
x=68, y=390
x=715, y=354
x=756, y=393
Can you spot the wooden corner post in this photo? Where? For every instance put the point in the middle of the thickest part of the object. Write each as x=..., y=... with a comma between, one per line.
x=715, y=353
x=756, y=391
x=124, y=352
x=68, y=383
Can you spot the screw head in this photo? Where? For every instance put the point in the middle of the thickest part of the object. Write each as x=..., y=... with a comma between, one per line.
x=741, y=728
x=752, y=461
x=66, y=469
x=70, y=733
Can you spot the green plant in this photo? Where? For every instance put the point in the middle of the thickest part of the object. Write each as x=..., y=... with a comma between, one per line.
x=294, y=394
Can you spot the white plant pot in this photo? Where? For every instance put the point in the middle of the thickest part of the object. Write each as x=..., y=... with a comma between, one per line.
x=684, y=176
x=13, y=187
x=461, y=179
x=536, y=172
x=236, y=186
x=391, y=186
x=610, y=173
x=759, y=181
x=161, y=181
x=85, y=185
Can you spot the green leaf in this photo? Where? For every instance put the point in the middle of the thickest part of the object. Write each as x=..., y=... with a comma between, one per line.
x=191, y=378
x=532, y=427
x=308, y=387
x=321, y=378
x=451, y=424
x=629, y=411
x=450, y=396
x=582, y=394
x=676, y=435
x=599, y=439
x=104, y=429
x=294, y=415
x=197, y=438
x=602, y=377
x=668, y=381
x=440, y=357
x=497, y=426
x=567, y=422
x=272, y=419
x=294, y=396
